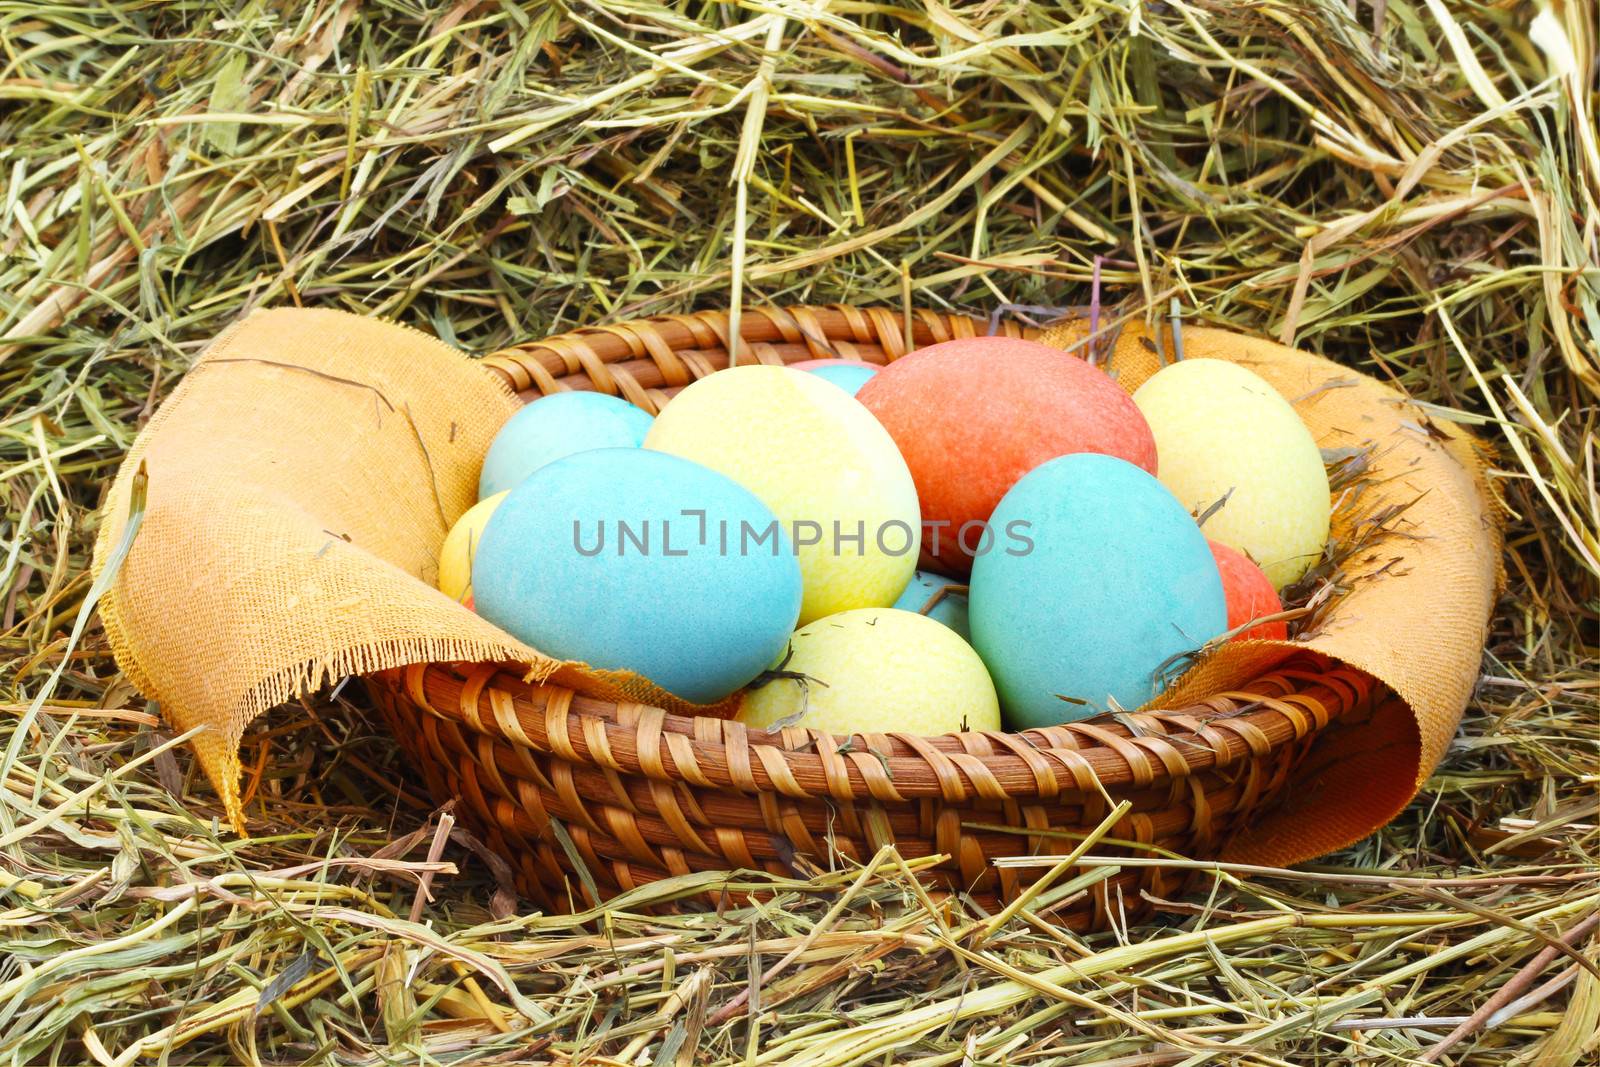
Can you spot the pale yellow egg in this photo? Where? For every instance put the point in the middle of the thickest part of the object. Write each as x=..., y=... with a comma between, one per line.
x=875, y=670
x=461, y=545
x=1222, y=433
x=821, y=462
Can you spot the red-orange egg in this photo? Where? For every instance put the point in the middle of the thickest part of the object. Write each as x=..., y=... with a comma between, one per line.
x=1249, y=594
x=972, y=416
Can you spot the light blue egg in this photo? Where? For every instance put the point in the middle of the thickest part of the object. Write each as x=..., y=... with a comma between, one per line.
x=1096, y=578
x=628, y=559
x=849, y=377
x=951, y=608
x=554, y=426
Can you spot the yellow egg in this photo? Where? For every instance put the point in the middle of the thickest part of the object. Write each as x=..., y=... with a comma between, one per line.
x=1223, y=432
x=876, y=670
x=461, y=544
x=829, y=472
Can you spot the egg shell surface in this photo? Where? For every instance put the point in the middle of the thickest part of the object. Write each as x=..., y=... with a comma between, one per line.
x=951, y=610
x=847, y=376
x=460, y=545
x=813, y=364
x=1116, y=580
x=1222, y=431
x=592, y=558
x=877, y=670
x=972, y=416
x=1249, y=594
x=821, y=462
x=554, y=426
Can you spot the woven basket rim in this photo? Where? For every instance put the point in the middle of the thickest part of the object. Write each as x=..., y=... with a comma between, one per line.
x=1144, y=749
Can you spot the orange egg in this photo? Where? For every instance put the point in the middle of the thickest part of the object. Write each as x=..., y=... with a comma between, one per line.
x=1249, y=594
x=972, y=416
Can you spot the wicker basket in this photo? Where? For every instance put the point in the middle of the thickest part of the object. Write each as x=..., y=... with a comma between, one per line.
x=643, y=794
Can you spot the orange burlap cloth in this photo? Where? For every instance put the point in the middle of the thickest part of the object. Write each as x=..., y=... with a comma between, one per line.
x=303, y=475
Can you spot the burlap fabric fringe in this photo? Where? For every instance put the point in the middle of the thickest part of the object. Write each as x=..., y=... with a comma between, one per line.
x=303, y=476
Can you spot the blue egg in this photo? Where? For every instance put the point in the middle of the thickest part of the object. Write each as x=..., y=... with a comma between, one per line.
x=849, y=377
x=554, y=426
x=951, y=608
x=1096, y=578
x=627, y=559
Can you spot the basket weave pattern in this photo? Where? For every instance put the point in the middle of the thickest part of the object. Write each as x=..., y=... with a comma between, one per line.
x=643, y=794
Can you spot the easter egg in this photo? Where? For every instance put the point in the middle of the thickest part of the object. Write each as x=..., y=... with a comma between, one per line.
x=1099, y=579
x=813, y=364
x=875, y=670
x=632, y=560
x=1249, y=594
x=1226, y=436
x=823, y=465
x=848, y=374
x=460, y=545
x=554, y=426
x=951, y=607
x=972, y=416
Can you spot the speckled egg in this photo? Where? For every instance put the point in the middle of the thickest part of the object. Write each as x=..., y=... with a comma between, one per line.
x=951, y=607
x=460, y=545
x=877, y=670
x=1225, y=434
x=971, y=416
x=626, y=559
x=1099, y=579
x=824, y=466
x=554, y=426
x=1249, y=594
x=848, y=374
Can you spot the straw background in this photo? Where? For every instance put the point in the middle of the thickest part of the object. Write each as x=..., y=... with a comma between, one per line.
x=1407, y=187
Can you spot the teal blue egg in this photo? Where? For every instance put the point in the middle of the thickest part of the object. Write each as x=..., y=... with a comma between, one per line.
x=554, y=426
x=627, y=559
x=1097, y=577
x=847, y=376
x=951, y=608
